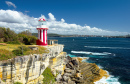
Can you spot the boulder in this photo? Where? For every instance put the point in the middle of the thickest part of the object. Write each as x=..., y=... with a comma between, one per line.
x=69, y=58
x=69, y=65
x=58, y=78
x=66, y=78
x=71, y=82
x=33, y=48
x=78, y=74
x=67, y=74
x=75, y=61
x=69, y=70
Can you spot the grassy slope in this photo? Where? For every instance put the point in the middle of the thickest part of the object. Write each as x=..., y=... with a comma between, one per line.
x=48, y=76
x=12, y=50
x=10, y=47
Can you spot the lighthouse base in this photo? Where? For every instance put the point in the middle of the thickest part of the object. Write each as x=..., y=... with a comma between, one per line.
x=38, y=42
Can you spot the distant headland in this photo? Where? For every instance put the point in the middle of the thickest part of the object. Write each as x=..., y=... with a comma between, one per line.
x=74, y=35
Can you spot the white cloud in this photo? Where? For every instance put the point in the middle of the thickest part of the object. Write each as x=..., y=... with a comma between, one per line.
x=62, y=20
x=10, y=4
x=18, y=22
x=51, y=17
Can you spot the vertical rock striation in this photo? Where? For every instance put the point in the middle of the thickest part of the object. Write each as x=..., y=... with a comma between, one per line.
x=27, y=69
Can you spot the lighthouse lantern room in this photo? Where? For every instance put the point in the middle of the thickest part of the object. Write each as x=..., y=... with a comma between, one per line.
x=42, y=33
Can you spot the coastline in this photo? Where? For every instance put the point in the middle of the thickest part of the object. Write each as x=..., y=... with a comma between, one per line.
x=77, y=71
x=105, y=77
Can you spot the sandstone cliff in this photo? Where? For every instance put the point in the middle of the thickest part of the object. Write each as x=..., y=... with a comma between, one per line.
x=78, y=72
x=27, y=69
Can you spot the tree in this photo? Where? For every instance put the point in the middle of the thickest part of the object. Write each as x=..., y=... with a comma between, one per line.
x=27, y=32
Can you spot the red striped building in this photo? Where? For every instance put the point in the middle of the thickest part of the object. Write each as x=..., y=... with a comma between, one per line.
x=42, y=33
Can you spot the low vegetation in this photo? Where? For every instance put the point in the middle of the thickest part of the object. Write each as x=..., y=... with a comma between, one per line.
x=17, y=83
x=5, y=54
x=19, y=50
x=10, y=37
x=48, y=76
x=24, y=50
x=13, y=44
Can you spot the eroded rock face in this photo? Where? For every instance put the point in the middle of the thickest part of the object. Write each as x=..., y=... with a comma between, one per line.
x=77, y=72
x=91, y=72
x=24, y=69
x=27, y=69
x=71, y=72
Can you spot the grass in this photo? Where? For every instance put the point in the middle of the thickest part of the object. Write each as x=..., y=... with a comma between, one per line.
x=5, y=54
x=25, y=50
x=10, y=47
x=48, y=76
x=9, y=51
x=17, y=83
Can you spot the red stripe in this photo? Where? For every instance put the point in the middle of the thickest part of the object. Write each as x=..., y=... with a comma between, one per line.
x=43, y=35
x=40, y=34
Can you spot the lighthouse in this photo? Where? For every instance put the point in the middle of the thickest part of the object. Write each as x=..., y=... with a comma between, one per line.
x=42, y=33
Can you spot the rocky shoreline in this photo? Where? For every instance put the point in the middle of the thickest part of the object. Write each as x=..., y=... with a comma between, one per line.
x=78, y=72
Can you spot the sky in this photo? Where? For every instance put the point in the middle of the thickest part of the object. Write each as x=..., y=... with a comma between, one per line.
x=83, y=17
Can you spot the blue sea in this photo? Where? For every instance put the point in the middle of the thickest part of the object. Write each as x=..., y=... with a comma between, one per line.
x=110, y=54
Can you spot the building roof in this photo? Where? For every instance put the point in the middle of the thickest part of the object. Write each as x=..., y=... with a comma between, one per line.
x=42, y=19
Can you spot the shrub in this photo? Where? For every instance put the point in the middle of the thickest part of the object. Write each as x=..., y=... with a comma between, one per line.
x=13, y=42
x=5, y=54
x=24, y=50
x=48, y=76
x=7, y=34
x=27, y=40
x=21, y=50
x=27, y=32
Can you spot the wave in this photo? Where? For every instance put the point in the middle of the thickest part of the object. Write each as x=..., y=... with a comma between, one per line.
x=91, y=53
x=106, y=47
x=84, y=60
x=110, y=80
x=71, y=55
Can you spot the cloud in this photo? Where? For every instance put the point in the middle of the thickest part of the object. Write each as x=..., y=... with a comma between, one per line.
x=10, y=4
x=51, y=17
x=19, y=21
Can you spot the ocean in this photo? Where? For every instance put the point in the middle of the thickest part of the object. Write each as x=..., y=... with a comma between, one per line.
x=110, y=54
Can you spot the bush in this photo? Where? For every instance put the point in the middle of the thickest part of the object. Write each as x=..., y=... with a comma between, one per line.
x=27, y=40
x=27, y=32
x=13, y=42
x=8, y=34
x=11, y=37
x=5, y=54
x=48, y=76
x=23, y=50
x=20, y=50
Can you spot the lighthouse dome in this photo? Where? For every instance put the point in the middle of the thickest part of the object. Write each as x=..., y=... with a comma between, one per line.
x=42, y=19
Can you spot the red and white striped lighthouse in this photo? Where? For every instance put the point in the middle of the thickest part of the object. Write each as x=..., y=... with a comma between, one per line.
x=42, y=33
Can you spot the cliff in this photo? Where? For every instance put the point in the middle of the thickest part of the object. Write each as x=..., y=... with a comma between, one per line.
x=28, y=69
x=78, y=72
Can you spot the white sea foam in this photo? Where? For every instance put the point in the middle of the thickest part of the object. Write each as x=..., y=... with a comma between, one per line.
x=106, y=47
x=78, y=56
x=100, y=66
x=90, y=53
x=110, y=80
